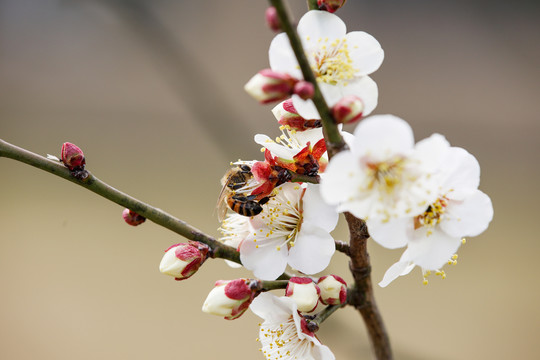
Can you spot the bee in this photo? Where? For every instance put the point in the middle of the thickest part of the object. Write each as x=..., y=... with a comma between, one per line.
x=247, y=205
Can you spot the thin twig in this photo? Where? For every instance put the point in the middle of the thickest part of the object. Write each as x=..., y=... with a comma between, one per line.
x=99, y=187
x=361, y=294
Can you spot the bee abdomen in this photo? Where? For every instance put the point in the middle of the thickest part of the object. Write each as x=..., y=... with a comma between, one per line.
x=243, y=206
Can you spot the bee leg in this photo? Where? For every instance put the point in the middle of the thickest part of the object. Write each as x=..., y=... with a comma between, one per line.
x=264, y=200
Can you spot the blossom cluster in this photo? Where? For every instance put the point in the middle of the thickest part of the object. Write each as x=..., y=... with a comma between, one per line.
x=279, y=212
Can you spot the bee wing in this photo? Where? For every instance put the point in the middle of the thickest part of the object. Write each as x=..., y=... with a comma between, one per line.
x=221, y=205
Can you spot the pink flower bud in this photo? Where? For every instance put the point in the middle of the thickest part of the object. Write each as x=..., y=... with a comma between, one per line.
x=330, y=5
x=183, y=260
x=272, y=19
x=268, y=86
x=333, y=290
x=349, y=109
x=132, y=218
x=304, y=89
x=287, y=115
x=304, y=292
x=229, y=298
x=72, y=157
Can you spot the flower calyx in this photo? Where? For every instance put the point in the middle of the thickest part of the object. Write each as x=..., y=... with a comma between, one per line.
x=287, y=115
x=132, y=218
x=330, y=5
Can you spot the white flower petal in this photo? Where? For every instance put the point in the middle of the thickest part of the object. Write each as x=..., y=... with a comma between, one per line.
x=275, y=148
x=312, y=250
x=430, y=151
x=462, y=173
x=469, y=217
x=365, y=51
x=317, y=211
x=366, y=89
x=433, y=251
x=383, y=136
x=341, y=178
x=398, y=269
x=282, y=57
x=272, y=308
x=392, y=234
x=305, y=108
x=266, y=262
x=320, y=25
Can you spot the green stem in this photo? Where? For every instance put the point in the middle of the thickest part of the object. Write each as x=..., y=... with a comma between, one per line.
x=312, y=5
x=273, y=285
x=313, y=324
x=97, y=186
x=334, y=140
x=304, y=178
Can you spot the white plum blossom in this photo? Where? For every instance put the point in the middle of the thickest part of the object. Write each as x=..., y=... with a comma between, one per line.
x=284, y=334
x=434, y=235
x=293, y=228
x=234, y=229
x=384, y=175
x=290, y=142
x=341, y=61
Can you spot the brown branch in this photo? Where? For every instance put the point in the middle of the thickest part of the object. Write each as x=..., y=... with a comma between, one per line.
x=361, y=294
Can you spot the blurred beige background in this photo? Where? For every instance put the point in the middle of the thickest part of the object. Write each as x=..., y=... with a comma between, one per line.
x=152, y=91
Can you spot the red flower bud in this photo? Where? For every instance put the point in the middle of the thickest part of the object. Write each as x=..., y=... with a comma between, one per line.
x=183, y=260
x=330, y=5
x=272, y=19
x=268, y=86
x=304, y=292
x=230, y=298
x=304, y=89
x=72, y=157
x=333, y=290
x=132, y=218
x=349, y=109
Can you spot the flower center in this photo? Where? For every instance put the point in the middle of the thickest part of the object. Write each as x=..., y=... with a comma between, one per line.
x=282, y=217
x=332, y=63
x=385, y=175
x=432, y=215
x=280, y=340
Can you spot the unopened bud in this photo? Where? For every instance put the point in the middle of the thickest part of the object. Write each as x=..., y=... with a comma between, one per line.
x=183, y=260
x=72, y=157
x=272, y=19
x=349, y=109
x=132, y=218
x=268, y=86
x=330, y=5
x=304, y=292
x=304, y=89
x=229, y=298
x=333, y=290
x=287, y=115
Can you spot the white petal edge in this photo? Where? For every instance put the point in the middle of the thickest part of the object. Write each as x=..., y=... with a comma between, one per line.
x=365, y=52
x=396, y=270
x=471, y=217
x=383, y=136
